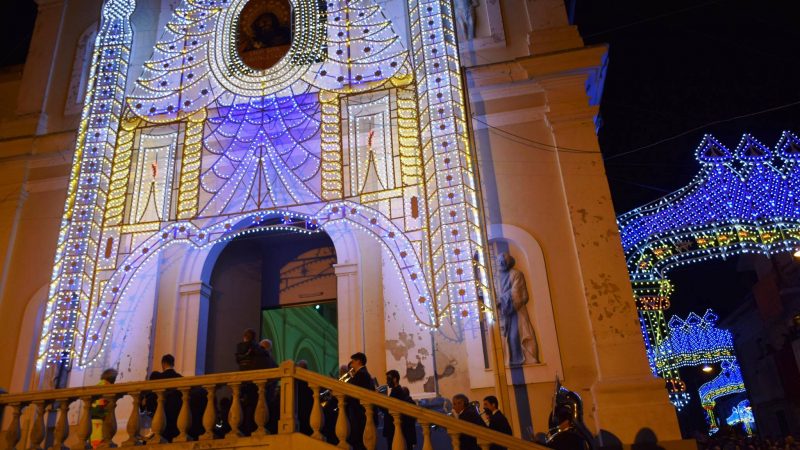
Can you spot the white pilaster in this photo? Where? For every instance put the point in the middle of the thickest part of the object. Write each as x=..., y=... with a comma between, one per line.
x=191, y=324
x=349, y=308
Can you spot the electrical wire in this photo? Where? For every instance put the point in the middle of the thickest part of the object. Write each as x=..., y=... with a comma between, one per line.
x=716, y=122
x=541, y=145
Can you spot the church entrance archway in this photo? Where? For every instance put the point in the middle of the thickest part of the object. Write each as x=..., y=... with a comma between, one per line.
x=281, y=284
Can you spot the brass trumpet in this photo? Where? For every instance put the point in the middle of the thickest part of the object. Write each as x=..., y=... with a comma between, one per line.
x=326, y=395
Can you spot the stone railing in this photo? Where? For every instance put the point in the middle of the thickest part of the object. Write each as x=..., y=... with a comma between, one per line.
x=288, y=376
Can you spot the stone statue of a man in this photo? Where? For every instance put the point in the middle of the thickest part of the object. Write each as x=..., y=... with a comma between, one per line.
x=512, y=302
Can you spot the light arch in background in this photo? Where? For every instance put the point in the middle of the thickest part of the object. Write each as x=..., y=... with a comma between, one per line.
x=745, y=200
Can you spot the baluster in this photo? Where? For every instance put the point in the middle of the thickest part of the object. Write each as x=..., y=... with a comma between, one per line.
x=316, y=414
x=286, y=423
x=455, y=440
x=426, y=435
x=37, y=428
x=484, y=445
x=260, y=416
x=342, y=427
x=159, y=418
x=235, y=414
x=210, y=414
x=369, y=427
x=184, y=417
x=84, y=425
x=133, y=421
x=13, y=432
x=399, y=441
x=61, y=432
x=109, y=421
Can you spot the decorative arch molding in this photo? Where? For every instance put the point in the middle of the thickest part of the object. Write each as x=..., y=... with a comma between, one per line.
x=745, y=200
x=23, y=377
x=394, y=241
x=534, y=266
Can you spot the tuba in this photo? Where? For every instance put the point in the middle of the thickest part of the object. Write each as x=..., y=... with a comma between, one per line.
x=564, y=398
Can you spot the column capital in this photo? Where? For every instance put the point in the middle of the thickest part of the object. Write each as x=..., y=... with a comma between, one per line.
x=197, y=287
x=345, y=269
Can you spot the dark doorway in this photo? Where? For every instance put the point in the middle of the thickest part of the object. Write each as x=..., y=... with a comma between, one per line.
x=265, y=280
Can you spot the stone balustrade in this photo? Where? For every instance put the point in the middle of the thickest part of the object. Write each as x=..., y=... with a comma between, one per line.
x=286, y=377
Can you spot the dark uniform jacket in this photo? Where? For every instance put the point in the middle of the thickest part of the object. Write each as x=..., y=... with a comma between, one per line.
x=470, y=414
x=407, y=424
x=498, y=422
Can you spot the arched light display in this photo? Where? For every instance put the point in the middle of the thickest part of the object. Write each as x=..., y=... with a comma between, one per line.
x=742, y=413
x=694, y=341
x=745, y=200
x=728, y=382
x=343, y=124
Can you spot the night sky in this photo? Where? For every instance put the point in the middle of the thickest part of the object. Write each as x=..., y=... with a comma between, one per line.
x=677, y=69
x=684, y=68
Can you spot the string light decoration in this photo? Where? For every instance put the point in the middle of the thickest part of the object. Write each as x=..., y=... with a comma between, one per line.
x=742, y=413
x=728, y=382
x=692, y=342
x=205, y=148
x=69, y=297
x=696, y=341
x=741, y=201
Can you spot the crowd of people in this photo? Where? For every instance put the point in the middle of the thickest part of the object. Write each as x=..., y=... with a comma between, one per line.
x=728, y=440
x=252, y=355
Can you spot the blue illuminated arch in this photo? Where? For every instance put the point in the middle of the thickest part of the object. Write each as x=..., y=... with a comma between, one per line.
x=745, y=200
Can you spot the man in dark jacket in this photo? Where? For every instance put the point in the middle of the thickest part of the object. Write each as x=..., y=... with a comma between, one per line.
x=355, y=412
x=305, y=402
x=250, y=356
x=172, y=398
x=497, y=421
x=407, y=424
x=464, y=411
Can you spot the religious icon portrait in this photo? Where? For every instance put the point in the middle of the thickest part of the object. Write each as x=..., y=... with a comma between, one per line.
x=264, y=33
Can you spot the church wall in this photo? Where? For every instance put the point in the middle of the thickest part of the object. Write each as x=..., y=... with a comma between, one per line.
x=560, y=200
x=33, y=192
x=77, y=17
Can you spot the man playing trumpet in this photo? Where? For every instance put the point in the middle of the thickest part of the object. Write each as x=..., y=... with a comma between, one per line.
x=355, y=412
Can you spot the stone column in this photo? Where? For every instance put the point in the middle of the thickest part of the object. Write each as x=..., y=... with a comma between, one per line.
x=191, y=325
x=349, y=310
x=627, y=397
x=549, y=27
x=40, y=66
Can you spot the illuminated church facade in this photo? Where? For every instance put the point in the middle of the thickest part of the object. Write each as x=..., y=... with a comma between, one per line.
x=340, y=176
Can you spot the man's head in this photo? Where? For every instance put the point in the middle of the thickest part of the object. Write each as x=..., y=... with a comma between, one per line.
x=460, y=402
x=249, y=335
x=393, y=378
x=358, y=360
x=266, y=344
x=109, y=375
x=302, y=363
x=167, y=362
x=490, y=403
